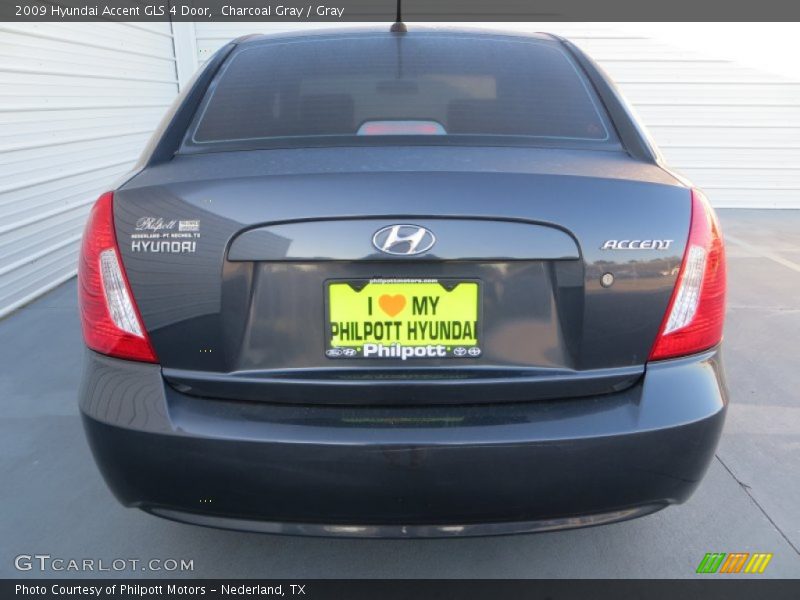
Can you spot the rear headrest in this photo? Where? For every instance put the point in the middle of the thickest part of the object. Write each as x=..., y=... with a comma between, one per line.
x=328, y=113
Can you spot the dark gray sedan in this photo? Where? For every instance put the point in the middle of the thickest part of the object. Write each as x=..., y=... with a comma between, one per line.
x=376, y=283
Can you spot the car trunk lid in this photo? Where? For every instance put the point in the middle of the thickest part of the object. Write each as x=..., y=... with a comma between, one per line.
x=230, y=257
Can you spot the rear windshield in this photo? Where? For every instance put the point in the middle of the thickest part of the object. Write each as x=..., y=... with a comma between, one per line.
x=415, y=88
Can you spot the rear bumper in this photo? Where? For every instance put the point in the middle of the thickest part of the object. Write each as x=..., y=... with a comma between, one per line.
x=412, y=471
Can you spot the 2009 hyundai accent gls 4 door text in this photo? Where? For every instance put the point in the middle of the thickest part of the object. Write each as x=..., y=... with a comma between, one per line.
x=402, y=284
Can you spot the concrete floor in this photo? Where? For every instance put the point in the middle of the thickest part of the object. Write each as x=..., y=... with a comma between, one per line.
x=54, y=501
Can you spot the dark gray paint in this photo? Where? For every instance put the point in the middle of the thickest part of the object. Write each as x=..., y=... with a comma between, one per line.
x=412, y=385
x=352, y=239
x=265, y=315
x=673, y=393
x=646, y=446
x=124, y=393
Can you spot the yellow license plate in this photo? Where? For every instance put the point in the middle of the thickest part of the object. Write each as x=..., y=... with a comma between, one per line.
x=403, y=319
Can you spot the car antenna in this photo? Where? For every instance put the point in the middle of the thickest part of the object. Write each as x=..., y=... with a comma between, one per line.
x=398, y=26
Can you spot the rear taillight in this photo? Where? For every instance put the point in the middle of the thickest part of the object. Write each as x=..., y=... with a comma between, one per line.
x=696, y=312
x=111, y=321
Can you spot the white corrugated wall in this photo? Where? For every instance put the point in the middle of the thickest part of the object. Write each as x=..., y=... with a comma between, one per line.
x=733, y=130
x=77, y=104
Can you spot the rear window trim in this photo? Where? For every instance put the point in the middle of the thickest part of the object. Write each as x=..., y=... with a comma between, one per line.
x=190, y=145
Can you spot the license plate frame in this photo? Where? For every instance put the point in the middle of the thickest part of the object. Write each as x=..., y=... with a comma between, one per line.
x=395, y=343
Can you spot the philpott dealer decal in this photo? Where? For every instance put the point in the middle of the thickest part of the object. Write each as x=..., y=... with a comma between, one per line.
x=403, y=318
x=159, y=235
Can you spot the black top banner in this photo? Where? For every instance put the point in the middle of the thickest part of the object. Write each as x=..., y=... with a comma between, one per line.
x=385, y=10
